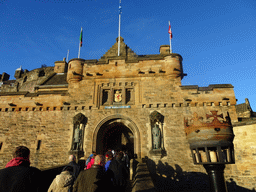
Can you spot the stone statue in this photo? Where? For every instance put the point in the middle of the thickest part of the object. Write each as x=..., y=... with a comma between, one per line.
x=156, y=135
x=77, y=137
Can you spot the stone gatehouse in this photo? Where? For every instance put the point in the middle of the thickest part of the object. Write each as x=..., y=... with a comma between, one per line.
x=130, y=102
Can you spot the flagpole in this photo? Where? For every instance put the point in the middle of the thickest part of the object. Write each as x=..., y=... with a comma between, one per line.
x=79, y=51
x=119, y=28
x=170, y=37
x=80, y=41
x=67, y=55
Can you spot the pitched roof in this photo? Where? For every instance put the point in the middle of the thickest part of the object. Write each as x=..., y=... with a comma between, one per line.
x=57, y=79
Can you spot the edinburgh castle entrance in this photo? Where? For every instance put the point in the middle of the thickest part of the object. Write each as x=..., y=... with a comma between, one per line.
x=117, y=134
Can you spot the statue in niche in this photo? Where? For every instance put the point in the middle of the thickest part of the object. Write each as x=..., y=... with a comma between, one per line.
x=156, y=136
x=77, y=140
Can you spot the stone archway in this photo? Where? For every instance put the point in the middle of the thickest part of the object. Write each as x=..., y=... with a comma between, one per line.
x=117, y=132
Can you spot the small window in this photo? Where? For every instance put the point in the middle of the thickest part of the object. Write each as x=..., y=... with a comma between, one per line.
x=38, y=145
x=1, y=145
x=25, y=79
x=6, y=109
x=41, y=73
x=54, y=108
x=26, y=108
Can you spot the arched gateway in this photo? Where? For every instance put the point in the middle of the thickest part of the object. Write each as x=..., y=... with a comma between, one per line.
x=117, y=132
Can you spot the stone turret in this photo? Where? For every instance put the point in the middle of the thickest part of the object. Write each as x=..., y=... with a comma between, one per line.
x=174, y=65
x=164, y=49
x=60, y=66
x=4, y=77
x=75, y=70
x=18, y=73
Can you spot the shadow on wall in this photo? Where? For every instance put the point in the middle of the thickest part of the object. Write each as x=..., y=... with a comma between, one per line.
x=167, y=178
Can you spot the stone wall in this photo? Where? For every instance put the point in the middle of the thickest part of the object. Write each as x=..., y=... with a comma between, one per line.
x=243, y=172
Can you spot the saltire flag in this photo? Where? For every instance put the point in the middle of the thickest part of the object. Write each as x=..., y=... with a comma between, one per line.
x=81, y=37
x=170, y=30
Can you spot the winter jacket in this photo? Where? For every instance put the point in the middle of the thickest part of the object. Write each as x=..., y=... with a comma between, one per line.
x=20, y=179
x=62, y=182
x=92, y=180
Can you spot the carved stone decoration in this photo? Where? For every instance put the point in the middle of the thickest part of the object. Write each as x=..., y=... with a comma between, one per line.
x=156, y=121
x=79, y=122
x=118, y=97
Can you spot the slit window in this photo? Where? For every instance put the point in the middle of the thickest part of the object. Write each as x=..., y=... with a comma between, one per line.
x=38, y=144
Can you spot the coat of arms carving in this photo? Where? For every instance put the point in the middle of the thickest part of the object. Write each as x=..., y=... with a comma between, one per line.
x=118, y=97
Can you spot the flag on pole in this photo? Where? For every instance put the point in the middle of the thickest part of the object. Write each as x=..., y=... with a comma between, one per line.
x=170, y=30
x=81, y=37
x=120, y=8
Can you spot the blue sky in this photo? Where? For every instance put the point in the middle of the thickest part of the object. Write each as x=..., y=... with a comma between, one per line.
x=217, y=39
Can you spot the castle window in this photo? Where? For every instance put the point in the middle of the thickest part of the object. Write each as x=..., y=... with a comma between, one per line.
x=220, y=103
x=13, y=109
x=1, y=145
x=105, y=96
x=6, y=109
x=33, y=108
x=54, y=108
x=41, y=73
x=0, y=109
x=129, y=96
x=20, y=109
x=25, y=79
x=38, y=145
x=228, y=103
x=26, y=108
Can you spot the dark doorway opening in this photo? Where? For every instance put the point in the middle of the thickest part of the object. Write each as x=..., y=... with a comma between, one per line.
x=115, y=136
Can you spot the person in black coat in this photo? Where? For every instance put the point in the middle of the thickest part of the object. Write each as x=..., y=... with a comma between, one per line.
x=18, y=176
x=93, y=179
x=118, y=172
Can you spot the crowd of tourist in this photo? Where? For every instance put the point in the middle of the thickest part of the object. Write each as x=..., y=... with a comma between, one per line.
x=102, y=172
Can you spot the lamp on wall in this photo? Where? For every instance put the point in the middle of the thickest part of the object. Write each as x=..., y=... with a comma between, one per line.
x=211, y=145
